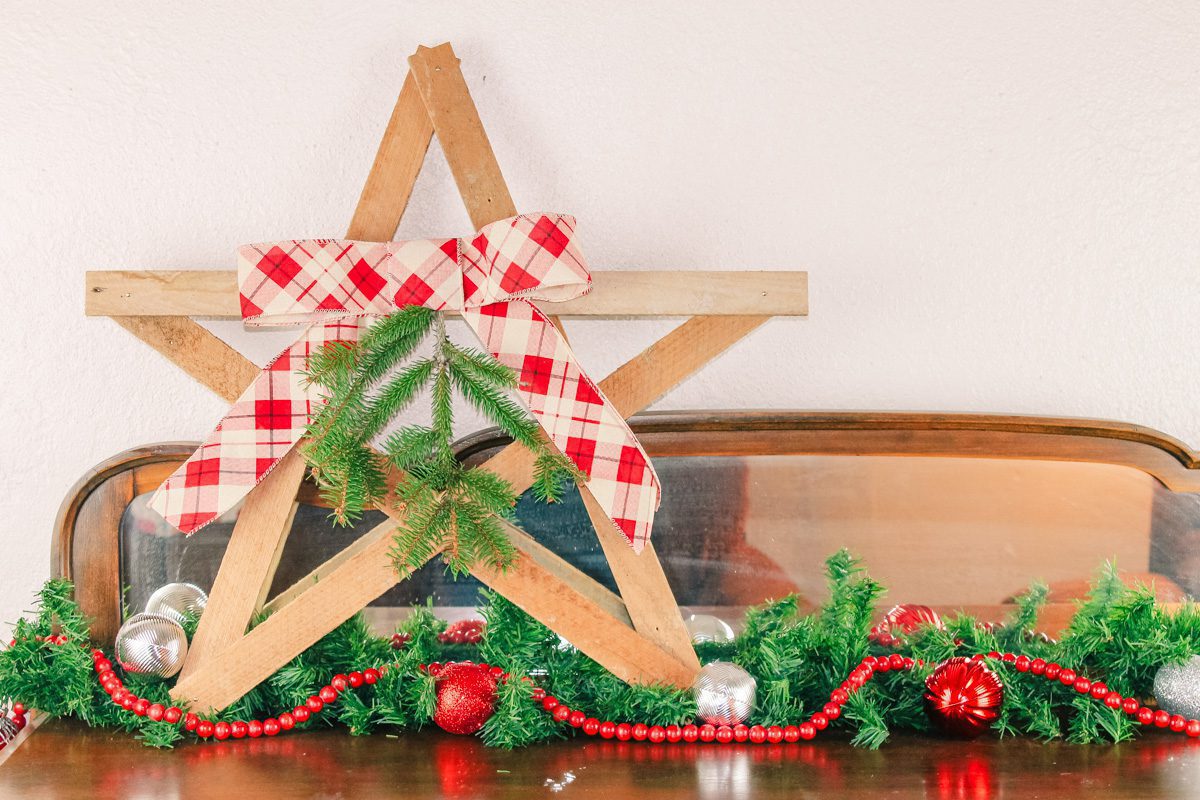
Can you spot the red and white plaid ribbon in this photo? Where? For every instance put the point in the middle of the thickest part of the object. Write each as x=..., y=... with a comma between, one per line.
x=491, y=280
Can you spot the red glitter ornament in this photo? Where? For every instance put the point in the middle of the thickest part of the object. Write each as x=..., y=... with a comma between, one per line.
x=466, y=697
x=904, y=618
x=963, y=696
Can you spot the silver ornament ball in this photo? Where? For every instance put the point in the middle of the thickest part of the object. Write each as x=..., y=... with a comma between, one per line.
x=724, y=693
x=1177, y=688
x=705, y=628
x=151, y=644
x=179, y=601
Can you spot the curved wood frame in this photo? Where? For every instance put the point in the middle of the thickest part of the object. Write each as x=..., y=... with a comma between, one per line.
x=86, y=546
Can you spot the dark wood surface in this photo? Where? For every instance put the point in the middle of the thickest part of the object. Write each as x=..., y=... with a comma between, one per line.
x=65, y=760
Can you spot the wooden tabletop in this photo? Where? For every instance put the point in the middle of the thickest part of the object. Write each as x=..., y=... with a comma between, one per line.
x=66, y=760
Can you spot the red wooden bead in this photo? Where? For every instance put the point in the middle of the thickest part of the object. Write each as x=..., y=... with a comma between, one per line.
x=1022, y=663
x=356, y=679
x=550, y=702
x=1193, y=728
x=896, y=661
x=774, y=734
x=576, y=719
x=287, y=721
x=690, y=733
x=315, y=704
x=238, y=729
x=1082, y=686
x=172, y=715
x=254, y=729
x=328, y=694
x=758, y=734
x=819, y=721
x=190, y=722
x=103, y=664
x=724, y=734
x=156, y=712
x=141, y=707
x=656, y=734
x=607, y=729
x=740, y=733
x=340, y=682
x=674, y=733
x=855, y=681
x=839, y=696
x=1113, y=700
x=1161, y=719
x=640, y=731
x=300, y=714
x=708, y=733
x=1009, y=658
x=538, y=693
x=1177, y=723
x=993, y=654
x=204, y=729
x=19, y=722
x=807, y=731
x=371, y=675
x=1130, y=705
x=270, y=726
x=562, y=713
x=791, y=733
x=129, y=701
x=832, y=710
x=1145, y=715
x=119, y=696
x=591, y=726
x=624, y=731
x=883, y=665
x=221, y=731
x=1037, y=666
x=1099, y=690
x=18, y=709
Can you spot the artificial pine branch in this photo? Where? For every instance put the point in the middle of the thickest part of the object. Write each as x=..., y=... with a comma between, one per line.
x=449, y=509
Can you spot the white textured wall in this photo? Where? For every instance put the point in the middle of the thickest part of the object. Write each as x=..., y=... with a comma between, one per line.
x=999, y=203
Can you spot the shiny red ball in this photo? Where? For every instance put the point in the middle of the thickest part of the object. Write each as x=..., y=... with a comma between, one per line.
x=466, y=697
x=963, y=697
x=902, y=619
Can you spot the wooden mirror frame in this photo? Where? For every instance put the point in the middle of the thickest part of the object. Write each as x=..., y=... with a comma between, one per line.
x=86, y=545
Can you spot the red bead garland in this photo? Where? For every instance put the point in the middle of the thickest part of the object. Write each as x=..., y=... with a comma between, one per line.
x=624, y=731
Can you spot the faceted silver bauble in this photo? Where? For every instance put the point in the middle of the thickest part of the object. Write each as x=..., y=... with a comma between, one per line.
x=179, y=601
x=151, y=644
x=1177, y=688
x=705, y=628
x=724, y=693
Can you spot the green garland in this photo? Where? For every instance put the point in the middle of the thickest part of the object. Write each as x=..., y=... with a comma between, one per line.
x=1118, y=635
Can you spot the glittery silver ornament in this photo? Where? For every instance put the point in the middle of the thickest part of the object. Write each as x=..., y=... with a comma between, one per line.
x=705, y=628
x=179, y=601
x=724, y=693
x=151, y=644
x=1177, y=688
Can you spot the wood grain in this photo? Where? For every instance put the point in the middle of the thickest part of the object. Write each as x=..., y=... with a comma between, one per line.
x=196, y=351
x=65, y=760
x=615, y=293
x=249, y=562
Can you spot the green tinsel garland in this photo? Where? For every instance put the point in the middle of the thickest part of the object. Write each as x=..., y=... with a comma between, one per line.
x=1118, y=635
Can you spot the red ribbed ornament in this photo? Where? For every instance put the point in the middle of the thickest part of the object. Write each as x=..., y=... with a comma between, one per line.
x=963, y=697
x=902, y=619
x=466, y=697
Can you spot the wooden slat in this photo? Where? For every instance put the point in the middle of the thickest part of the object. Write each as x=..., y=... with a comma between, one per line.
x=249, y=562
x=196, y=351
x=615, y=293
x=97, y=536
x=264, y=523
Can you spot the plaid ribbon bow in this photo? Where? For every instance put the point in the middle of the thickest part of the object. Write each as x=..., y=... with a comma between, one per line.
x=490, y=279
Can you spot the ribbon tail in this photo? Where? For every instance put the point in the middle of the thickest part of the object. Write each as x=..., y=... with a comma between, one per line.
x=265, y=422
x=583, y=424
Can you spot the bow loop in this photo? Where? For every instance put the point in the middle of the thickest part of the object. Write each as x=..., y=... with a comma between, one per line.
x=490, y=280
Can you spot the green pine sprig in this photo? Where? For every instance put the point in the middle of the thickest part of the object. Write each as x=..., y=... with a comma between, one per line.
x=451, y=510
